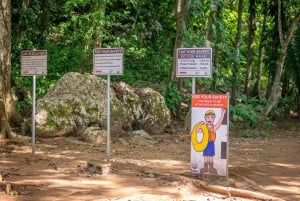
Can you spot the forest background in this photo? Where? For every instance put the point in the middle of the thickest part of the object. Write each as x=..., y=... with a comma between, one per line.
x=255, y=45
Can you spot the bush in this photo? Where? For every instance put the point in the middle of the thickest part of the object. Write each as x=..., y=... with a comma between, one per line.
x=172, y=97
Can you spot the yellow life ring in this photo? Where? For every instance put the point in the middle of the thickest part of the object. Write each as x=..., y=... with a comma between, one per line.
x=199, y=146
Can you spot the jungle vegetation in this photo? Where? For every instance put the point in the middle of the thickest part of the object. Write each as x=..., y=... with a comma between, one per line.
x=255, y=45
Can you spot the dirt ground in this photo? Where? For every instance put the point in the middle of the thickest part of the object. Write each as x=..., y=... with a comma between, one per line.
x=259, y=169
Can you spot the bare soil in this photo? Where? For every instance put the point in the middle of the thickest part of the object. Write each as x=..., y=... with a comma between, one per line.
x=259, y=169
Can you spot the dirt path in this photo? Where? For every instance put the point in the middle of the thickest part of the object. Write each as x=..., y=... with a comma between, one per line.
x=154, y=172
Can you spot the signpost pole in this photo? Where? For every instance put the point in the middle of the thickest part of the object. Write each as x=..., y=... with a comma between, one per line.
x=108, y=61
x=33, y=114
x=193, y=85
x=33, y=62
x=227, y=150
x=108, y=119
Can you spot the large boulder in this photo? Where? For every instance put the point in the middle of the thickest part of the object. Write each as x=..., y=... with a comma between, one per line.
x=147, y=107
x=78, y=102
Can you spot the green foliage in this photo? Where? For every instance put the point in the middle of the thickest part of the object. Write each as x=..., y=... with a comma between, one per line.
x=246, y=111
x=24, y=106
x=73, y=28
x=172, y=97
x=282, y=107
x=15, y=193
x=69, y=30
x=293, y=61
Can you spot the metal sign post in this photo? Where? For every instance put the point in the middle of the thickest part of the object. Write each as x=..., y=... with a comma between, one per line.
x=108, y=119
x=33, y=62
x=33, y=114
x=108, y=61
x=193, y=85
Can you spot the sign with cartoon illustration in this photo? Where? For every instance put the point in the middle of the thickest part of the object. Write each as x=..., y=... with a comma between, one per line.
x=209, y=134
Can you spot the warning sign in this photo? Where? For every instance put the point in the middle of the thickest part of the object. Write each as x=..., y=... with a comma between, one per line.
x=194, y=62
x=209, y=134
x=108, y=61
x=210, y=100
x=34, y=62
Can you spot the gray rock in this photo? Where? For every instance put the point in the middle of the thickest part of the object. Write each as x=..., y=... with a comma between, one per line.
x=78, y=101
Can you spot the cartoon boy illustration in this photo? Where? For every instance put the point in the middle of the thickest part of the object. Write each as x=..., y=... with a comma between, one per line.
x=209, y=151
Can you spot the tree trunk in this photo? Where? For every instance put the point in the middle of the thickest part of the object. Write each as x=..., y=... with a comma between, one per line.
x=6, y=103
x=257, y=87
x=19, y=29
x=237, y=49
x=216, y=49
x=284, y=42
x=285, y=84
x=182, y=11
x=251, y=35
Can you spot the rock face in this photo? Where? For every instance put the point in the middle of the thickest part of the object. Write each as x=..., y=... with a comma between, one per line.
x=77, y=105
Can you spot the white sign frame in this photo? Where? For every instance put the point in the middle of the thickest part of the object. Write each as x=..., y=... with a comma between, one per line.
x=218, y=106
x=33, y=62
x=194, y=62
x=108, y=61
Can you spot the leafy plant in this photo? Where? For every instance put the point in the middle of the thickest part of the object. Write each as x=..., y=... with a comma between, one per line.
x=24, y=106
x=246, y=111
x=172, y=97
x=14, y=193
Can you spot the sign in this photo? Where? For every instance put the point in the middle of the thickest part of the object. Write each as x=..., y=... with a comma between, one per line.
x=209, y=134
x=34, y=62
x=108, y=61
x=194, y=62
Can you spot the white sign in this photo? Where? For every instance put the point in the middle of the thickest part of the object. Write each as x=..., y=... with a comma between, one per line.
x=194, y=62
x=209, y=134
x=108, y=61
x=34, y=62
